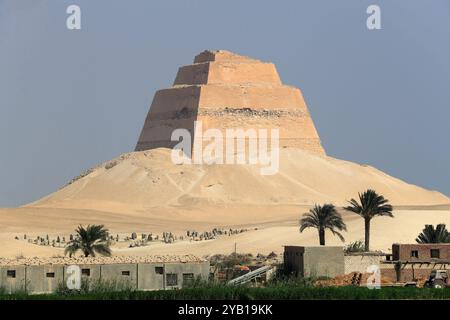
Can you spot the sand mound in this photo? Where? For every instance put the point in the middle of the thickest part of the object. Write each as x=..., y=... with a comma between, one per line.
x=140, y=181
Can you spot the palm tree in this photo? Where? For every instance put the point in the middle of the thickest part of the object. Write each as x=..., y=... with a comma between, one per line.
x=370, y=205
x=322, y=218
x=431, y=235
x=90, y=240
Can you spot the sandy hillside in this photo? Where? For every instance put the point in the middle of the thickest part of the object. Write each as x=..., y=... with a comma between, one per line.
x=140, y=181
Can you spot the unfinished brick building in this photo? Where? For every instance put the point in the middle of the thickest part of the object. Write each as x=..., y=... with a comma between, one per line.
x=410, y=262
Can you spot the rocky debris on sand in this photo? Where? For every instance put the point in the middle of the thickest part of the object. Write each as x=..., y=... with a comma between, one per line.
x=36, y=261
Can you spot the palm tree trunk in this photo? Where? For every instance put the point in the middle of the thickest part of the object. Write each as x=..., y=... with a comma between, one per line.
x=367, y=234
x=322, y=236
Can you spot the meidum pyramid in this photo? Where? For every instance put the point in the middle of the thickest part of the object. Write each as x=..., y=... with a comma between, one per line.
x=145, y=190
x=224, y=90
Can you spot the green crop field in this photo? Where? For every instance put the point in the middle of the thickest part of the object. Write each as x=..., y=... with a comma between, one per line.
x=242, y=293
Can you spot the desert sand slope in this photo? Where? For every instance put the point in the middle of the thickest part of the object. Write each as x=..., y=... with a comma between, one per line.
x=272, y=236
x=403, y=228
x=146, y=192
x=144, y=181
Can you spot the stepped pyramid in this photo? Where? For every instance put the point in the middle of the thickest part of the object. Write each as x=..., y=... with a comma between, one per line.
x=226, y=91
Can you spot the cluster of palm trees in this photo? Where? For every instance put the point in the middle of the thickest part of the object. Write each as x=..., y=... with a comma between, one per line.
x=324, y=217
x=369, y=205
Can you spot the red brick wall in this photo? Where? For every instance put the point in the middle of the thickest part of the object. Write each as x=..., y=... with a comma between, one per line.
x=408, y=272
x=403, y=251
x=406, y=275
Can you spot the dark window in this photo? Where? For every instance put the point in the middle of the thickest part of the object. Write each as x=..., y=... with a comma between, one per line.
x=125, y=273
x=414, y=254
x=50, y=274
x=188, y=278
x=11, y=273
x=434, y=253
x=86, y=272
x=172, y=279
x=159, y=270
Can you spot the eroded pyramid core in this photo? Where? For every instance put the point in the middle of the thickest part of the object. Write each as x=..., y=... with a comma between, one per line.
x=224, y=90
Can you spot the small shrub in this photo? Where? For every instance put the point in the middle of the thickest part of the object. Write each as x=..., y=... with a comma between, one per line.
x=94, y=287
x=356, y=246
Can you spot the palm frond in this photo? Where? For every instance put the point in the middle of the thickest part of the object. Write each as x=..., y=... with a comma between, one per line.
x=323, y=217
x=102, y=248
x=370, y=205
x=90, y=240
x=431, y=235
x=337, y=233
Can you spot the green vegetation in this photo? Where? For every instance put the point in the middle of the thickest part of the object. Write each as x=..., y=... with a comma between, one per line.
x=370, y=205
x=229, y=261
x=90, y=240
x=431, y=235
x=322, y=218
x=94, y=287
x=356, y=246
x=278, y=288
x=271, y=292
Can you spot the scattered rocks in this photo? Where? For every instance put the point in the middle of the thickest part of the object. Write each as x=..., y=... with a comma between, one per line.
x=100, y=260
x=110, y=164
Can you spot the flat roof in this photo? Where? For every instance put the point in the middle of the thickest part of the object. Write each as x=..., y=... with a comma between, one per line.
x=422, y=244
x=37, y=261
x=368, y=253
x=430, y=261
x=300, y=246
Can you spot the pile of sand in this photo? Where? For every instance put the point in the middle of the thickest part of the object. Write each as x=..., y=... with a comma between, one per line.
x=140, y=181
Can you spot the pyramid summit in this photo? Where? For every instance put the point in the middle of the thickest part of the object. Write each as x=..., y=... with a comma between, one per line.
x=225, y=90
x=220, y=55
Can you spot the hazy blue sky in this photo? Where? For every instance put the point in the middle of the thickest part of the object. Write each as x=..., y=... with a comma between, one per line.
x=72, y=99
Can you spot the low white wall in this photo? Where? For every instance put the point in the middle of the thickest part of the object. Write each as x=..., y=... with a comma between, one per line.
x=360, y=263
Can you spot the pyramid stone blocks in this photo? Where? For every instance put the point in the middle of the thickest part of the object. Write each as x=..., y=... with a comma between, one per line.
x=225, y=91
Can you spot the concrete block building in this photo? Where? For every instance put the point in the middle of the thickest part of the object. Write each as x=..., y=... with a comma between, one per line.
x=314, y=261
x=141, y=273
x=13, y=279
